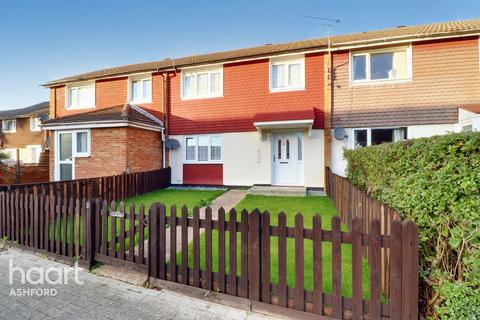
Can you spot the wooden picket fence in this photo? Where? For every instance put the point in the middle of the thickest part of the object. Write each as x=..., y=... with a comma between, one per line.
x=110, y=188
x=99, y=230
x=353, y=203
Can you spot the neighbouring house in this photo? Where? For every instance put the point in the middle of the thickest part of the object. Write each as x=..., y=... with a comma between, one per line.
x=276, y=114
x=20, y=130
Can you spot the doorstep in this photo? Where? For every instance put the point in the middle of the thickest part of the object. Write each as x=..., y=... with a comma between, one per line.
x=285, y=191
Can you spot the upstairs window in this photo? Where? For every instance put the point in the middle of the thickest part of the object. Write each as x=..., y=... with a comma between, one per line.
x=202, y=83
x=287, y=73
x=140, y=88
x=9, y=125
x=81, y=96
x=381, y=65
x=203, y=149
x=34, y=124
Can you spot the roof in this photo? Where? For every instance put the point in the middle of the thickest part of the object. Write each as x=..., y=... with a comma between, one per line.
x=116, y=114
x=418, y=32
x=475, y=108
x=400, y=116
x=35, y=110
x=307, y=114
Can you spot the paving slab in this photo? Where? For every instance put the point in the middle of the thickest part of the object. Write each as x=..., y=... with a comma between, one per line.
x=98, y=297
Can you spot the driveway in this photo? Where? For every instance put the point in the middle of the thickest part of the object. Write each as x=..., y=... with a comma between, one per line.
x=96, y=298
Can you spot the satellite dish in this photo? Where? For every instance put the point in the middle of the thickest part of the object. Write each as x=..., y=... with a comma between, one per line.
x=340, y=133
x=172, y=144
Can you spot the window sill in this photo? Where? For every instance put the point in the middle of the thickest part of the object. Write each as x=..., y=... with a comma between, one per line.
x=379, y=82
x=287, y=89
x=202, y=97
x=80, y=108
x=202, y=162
x=140, y=101
x=9, y=131
x=82, y=155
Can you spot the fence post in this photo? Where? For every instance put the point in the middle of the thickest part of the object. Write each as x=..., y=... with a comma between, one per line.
x=409, y=270
x=254, y=251
x=90, y=232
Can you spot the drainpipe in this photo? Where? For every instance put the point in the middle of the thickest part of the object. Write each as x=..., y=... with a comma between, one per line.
x=164, y=76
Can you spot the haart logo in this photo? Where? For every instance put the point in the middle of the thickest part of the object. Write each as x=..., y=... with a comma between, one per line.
x=37, y=276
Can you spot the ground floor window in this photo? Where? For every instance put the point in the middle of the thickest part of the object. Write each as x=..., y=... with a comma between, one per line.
x=374, y=136
x=34, y=153
x=203, y=149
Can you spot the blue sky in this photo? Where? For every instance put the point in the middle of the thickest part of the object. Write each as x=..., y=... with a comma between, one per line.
x=45, y=40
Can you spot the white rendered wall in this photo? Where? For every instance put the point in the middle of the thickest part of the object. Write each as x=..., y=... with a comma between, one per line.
x=247, y=159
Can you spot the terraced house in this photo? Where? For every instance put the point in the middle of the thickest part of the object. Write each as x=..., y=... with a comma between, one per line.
x=269, y=115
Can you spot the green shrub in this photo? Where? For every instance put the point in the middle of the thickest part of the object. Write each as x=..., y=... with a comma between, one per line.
x=436, y=183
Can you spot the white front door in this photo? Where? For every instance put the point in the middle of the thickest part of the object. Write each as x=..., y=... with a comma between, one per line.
x=65, y=157
x=287, y=159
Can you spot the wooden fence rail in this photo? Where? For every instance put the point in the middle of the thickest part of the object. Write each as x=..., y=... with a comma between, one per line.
x=110, y=188
x=353, y=203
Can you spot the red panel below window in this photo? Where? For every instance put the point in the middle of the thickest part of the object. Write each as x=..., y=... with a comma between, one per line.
x=203, y=174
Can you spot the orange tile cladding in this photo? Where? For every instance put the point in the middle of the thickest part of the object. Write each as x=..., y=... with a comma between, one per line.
x=113, y=150
x=445, y=73
x=109, y=93
x=245, y=93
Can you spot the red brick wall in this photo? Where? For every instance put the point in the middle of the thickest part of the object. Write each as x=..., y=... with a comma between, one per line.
x=144, y=150
x=113, y=150
x=108, y=154
x=445, y=73
x=245, y=93
x=108, y=93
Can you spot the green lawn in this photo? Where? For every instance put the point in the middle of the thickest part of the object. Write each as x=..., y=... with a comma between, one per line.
x=178, y=197
x=308, y=206
x=169, y=197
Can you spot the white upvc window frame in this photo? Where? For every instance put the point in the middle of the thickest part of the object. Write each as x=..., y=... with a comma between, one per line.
x=287, y=60
x=34, y=147
x=78, y=85
x=367, y=53
x=14, y=126
x=369, y=134
x=142, y=78
x=195, y=72
x=33, y=121
x=196, y=139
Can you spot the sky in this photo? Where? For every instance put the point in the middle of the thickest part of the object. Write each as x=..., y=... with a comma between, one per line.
x=45, y=40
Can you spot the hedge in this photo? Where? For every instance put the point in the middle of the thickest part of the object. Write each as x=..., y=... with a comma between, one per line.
x=436, y=183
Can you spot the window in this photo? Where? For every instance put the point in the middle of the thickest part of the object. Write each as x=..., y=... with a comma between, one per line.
x=81, y=96
x=368, y=137
x=9, y=125
x=190, y=149
x=287, y=74
x=467, y=128
x=300, y=148
x=34, y=153
x=203, y=148
x=203, y=83
x=381, y=65
x=82, y=143
x=140, y=89
x=34, y=124
x=11, y=154
x=216, y=148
